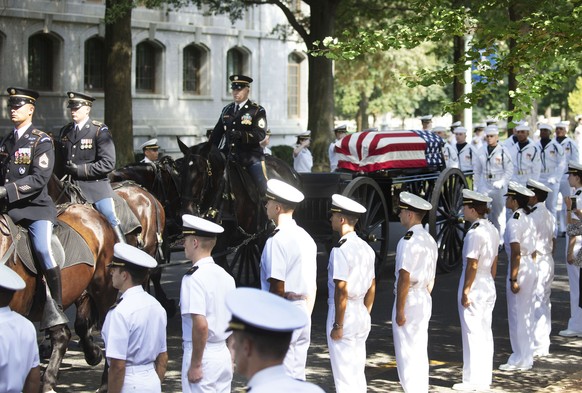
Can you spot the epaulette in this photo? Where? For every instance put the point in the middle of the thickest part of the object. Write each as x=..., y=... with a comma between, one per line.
x=516, y=215
x=191, y=271
x=340, y=243
x=408, y=235
x=42, y=136
x=533, y=209
x=578, y=192
x=274, y=232
x=475, y=225
x=96, y=123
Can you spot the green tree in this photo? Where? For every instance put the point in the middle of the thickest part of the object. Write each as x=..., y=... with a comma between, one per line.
x=536, y=45
x=575, y=97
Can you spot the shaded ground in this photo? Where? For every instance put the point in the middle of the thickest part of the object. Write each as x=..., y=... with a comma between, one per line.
x=560, y=372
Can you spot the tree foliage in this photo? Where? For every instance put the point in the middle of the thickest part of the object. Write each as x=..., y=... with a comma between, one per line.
x=575, y=97
x=538, y=42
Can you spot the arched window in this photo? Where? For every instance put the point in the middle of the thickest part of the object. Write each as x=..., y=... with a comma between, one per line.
x=192, y=69
x=294, y=84
x=95, y=60
x=41, y=60
x=147, y=66
x=236, y=63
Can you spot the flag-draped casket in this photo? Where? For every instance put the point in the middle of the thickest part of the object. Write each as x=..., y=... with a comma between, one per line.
x=374, y=151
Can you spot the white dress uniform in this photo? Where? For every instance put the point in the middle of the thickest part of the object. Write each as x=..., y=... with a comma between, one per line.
x=417, y=254
x=492, y=173
x=465, y=156
x=18, y=350
x=570, y=154
x=481, y=243
x=545, y=224
x=333, y=159
x=203, y=292
x=275, y=379
x=351, y=261
x=553, y=167
x=135, y=331
x=290, y=255
x=520, y=306
x=575, y=320
x=450, y=155
x=526, y=162
x=304, y=161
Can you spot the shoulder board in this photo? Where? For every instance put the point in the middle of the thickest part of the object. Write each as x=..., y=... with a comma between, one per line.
x=116, y=303
x=533, y=209
x=274, y=232
x=191, y=271
x=475, y=225
x=408, y=235
x=42, y=136
x=253, y=104
x=340, y=243
x=516, y=215
x=578, y=192
x=96, y=123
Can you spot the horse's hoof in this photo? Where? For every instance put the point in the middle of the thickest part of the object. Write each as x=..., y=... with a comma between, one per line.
x=95, y=358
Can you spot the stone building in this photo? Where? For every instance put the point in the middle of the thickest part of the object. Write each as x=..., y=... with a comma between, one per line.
x=180, y=64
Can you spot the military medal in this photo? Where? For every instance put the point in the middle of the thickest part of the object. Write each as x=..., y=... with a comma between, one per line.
x=246, y=119
x=21, y=170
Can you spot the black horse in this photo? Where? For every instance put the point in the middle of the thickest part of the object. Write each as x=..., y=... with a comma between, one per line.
x=224, y=192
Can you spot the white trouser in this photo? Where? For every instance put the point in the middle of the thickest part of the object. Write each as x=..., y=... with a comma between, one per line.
x=296, y=358
x=476, y=329
x=575, y=321
x=543, y=306
x=497, y=215
x=348, y=354
x=566, y=191
x=216, y=369
x=411, y=341
x=520, y=312
x=141, y=378
x=552, y=199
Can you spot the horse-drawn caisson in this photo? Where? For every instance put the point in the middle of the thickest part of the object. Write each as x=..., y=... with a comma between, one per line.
x=374, y=168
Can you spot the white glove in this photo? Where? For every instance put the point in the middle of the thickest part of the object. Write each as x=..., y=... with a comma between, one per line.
x=498, y=185
x=552, y=180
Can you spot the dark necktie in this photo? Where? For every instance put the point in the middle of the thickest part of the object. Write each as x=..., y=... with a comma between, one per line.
x=15, y=135
x=236, y=108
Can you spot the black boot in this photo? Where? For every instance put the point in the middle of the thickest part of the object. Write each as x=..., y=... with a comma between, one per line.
x=53, y=314
x=119, y=234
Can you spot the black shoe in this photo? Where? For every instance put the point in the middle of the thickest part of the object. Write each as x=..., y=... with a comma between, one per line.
x=561, y=234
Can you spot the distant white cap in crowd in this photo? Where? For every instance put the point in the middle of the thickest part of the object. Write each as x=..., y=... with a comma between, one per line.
x=563, y=124
x=491, y=130
x=456, y=124
x=343, y=204
x=410, y=201
x=151, y=144
x=515, y=188
x=471, y=197
x=425, y=118
x=523, y=126
x=534, y=184
x=460, y=130
x=262, y=312
x=304, y=134
x=280, y=191
x=130, y=256
x=440, y=129
x=574, y=167
x=479, y=125
x=10, y=280
x=198, y=226
x=545, y=126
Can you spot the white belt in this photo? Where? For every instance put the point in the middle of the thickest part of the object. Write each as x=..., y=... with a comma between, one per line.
x=188, y=344
x=139, y=368
x=493, y=176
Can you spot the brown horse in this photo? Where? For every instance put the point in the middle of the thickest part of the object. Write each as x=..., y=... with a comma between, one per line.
x=152, y=218
x=89, y=287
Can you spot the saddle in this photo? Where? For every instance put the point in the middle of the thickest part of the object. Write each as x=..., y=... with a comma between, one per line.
x=69, y=247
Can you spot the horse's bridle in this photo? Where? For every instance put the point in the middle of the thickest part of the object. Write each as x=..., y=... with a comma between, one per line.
x=207, y=180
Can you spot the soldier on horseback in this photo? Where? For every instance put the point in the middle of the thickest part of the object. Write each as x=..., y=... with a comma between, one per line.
x=242, y=125
x=89, y=153
x=27, y=158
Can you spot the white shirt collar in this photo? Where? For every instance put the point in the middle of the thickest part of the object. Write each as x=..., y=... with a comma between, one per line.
x=267, y=374
x=22, y=130
x=82, y=124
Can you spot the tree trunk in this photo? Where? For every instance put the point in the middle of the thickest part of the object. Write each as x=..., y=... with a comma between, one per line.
x=320, y=85
x=458, y=82
x=363, y=112
x=118, y=102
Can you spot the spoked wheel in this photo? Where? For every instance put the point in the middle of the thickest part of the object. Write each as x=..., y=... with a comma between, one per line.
x=445, y=220
x=373, y=225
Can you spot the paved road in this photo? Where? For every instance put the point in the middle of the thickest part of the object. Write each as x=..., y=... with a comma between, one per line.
x=561, y=371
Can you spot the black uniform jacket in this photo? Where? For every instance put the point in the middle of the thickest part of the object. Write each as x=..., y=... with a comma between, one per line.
x=27, y=165
x=93, y=151
x=251, y=123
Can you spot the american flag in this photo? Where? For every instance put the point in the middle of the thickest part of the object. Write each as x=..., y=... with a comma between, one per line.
x=374, y=151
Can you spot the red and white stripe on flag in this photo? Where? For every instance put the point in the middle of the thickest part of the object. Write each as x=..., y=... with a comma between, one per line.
x=374, y=151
